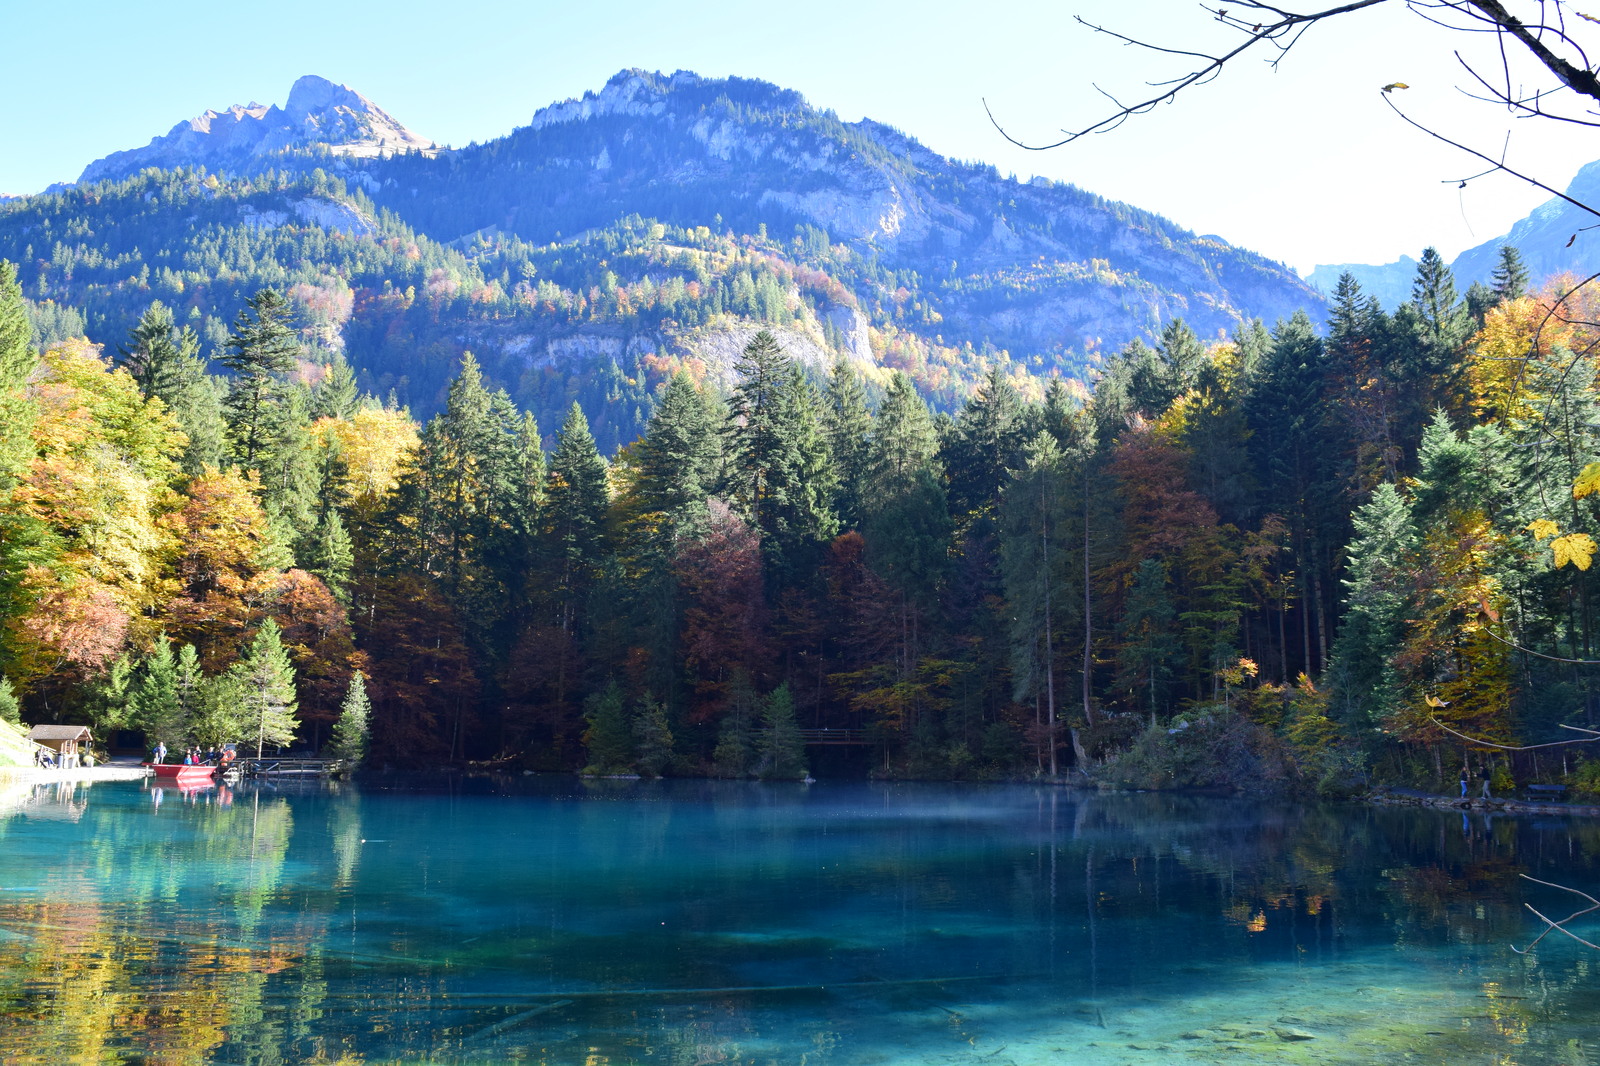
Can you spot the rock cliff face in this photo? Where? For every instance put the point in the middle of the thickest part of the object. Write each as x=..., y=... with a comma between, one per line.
x=1036, y=265
x=246, y=137
x=871, y=245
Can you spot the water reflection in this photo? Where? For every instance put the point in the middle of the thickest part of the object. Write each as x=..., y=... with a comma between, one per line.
x=703, y=922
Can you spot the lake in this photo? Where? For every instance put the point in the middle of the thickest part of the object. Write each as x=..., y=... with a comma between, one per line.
x=554, y=921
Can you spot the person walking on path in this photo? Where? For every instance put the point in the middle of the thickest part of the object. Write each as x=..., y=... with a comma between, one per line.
x=1464, y=778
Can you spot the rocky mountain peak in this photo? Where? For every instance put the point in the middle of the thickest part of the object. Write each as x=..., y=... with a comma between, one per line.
x=318, y=114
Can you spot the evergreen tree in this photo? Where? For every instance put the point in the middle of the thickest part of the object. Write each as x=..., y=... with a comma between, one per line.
x=678, y=458
x=1378, y=586
x=17, y=358
x=1182, y=353
x=903, y=442
x=736, y=738
x=1036, y=564
x=108, y=699
x=287, y=461
x=261, y=351
x=783, y=750
x=24, y=538
x=189, y=690
x=1510, y=275
x=987, y=445
x=329, y=554
x=264, y=681
x=576, y=502
x=154, y=696
x=335, y=395
x=608, y=738
x=782, y=472
x=350, y=732
x=849, y=429
x=652, y=736
x=10, y=707
x=1443, y=321
x=1149, y=653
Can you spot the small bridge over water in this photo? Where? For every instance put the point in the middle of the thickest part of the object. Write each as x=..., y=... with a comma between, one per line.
x=852, y=737
x=274, y=767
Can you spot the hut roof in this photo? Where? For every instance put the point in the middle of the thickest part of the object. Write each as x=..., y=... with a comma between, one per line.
x=60, y=732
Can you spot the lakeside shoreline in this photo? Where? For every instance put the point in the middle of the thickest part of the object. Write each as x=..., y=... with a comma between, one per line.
x=35, y=774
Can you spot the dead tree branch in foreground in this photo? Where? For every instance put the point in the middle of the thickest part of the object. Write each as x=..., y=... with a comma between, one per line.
x=1553, y=926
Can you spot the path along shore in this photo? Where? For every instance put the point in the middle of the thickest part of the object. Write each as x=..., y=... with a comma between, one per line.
x=48, y=775
x=1407, y=797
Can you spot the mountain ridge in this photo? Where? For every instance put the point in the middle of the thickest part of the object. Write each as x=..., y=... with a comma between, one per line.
x=636, y=229
x=317, y=113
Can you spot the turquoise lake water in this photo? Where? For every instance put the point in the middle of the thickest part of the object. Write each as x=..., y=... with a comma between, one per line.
x=551, y=921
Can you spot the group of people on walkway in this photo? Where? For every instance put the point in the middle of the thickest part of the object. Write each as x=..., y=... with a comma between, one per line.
x=194, y=756
x=1466, y=780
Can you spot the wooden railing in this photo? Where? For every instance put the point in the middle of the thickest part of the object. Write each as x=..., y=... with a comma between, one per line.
x=270, y=766
x=813, y=737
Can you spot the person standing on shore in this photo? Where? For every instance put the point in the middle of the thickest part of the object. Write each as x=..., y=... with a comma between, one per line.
x=161, y=756
x=1465, y=777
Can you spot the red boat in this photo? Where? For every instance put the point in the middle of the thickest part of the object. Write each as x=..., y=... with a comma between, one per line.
x=179, y=774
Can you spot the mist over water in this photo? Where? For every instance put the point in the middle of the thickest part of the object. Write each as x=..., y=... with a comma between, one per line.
x=550, y=920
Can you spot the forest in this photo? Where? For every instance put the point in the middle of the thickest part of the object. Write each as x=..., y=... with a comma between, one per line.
x=1312, y=556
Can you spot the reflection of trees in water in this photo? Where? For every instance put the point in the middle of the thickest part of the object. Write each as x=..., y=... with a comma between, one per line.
x=146, y=938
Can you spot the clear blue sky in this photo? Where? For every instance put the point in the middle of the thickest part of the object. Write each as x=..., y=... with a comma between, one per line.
x=1304, y=164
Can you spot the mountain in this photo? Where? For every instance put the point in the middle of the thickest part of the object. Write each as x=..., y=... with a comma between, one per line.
x=246, y=138
x=652, y=226
x=1390, y=283
x=1557, y=237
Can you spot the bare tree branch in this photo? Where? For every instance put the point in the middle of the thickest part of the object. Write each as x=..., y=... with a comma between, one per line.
x=1521, y=747
x=1266, y=26
x=1561, y=926
x=1273, y=33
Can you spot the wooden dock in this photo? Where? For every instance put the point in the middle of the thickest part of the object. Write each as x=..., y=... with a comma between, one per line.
x=276, y=767
x=852, y=737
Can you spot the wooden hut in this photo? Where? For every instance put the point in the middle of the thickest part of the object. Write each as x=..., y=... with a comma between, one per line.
x=67, y=741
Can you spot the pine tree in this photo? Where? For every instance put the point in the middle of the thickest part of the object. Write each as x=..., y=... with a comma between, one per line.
x=904, y=442
x=264, y=677
x=329, y=554
x=189, y=689
x=987, y=445
x=783, y=750
x=576, y=501
x=350, y=732
x=154, y=696
x=1510, y=275
x=736, y=738
x=17, y=358
x=1035, y=557
x=678, y=458
x=262, y=349
x=1149, y=654
x=108, y=699
x=287, y=461
x=335, y=395
x=10, y=707
x=1443, y=319
x=24, y=538
x=1378, y=586
x=849, y=428
x=652, y=736
x=782, y=474
x=608, y=738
